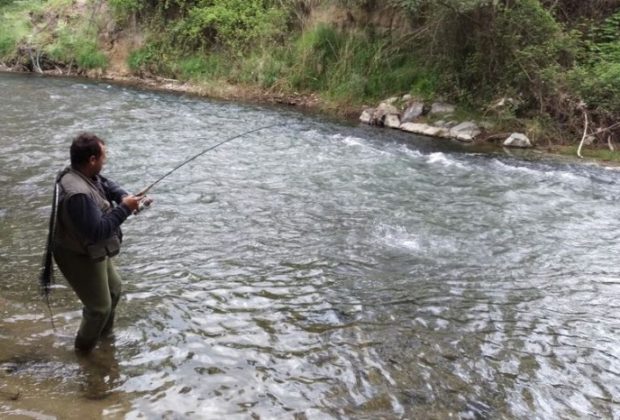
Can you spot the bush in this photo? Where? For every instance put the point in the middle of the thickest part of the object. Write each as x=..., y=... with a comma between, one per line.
x=354, y=66
x=88, y=56
x=202, y=67
x=122, y=9
x=597, y=79
x=235, y=25
x=75, y=45
x=482, y=49
x=14, y=27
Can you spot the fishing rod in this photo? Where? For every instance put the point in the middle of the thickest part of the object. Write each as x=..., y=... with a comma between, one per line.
x=158, y=180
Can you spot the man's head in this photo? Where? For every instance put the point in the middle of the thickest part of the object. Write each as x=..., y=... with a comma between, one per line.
x=88, y=154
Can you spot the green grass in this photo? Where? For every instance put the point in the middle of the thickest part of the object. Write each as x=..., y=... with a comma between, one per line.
x=353, y=66
x=203, y=67
x=14, y=27
x=63, y=42
x=77, y=45
x=591, y=152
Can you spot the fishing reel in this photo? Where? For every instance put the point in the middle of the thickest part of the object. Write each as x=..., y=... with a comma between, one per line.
x=144, y=204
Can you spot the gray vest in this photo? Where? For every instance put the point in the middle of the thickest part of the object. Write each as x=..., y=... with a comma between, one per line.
x=67, y=236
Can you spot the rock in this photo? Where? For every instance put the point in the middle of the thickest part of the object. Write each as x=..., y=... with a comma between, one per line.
x=377, y=116
x=406, y=98
x=384, y=109
x=414, y=127
x=392, y=121
x=391, y=101
x=518, y=140
x=412, y=112
x=465, y=131
x=466, y=138
x=366, y=116
x=434, y=131
x=424, y=129
x=441, y=108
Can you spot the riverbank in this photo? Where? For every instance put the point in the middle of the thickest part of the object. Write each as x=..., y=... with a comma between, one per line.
x=313, y=103
x=324, y=58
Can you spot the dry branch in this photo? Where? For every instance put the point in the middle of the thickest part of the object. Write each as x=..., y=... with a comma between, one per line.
x=585, y=131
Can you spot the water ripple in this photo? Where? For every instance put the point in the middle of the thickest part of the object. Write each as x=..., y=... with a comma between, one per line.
x=314, y=270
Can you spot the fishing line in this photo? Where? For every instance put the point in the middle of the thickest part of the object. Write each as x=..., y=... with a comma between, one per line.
x=46, y=275
x=144, y=191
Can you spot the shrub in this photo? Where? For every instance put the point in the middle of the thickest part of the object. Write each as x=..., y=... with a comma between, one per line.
x=14, y=27
x=354, y=66
x=235, y=25
x=75, y=45
x=597, y=78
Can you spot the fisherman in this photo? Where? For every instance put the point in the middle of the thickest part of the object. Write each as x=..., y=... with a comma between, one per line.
x=90, y=211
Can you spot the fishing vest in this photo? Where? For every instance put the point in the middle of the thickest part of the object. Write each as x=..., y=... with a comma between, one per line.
x=72, y=182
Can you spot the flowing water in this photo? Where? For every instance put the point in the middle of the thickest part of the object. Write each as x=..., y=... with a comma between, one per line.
x=308, y=271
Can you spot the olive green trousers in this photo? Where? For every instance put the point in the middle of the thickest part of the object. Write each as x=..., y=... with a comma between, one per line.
x=98, y=286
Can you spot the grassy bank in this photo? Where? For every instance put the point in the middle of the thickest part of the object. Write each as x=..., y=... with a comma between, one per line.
x=551, y=63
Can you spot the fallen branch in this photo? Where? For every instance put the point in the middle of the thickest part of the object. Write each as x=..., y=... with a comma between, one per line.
x=585, y=131
x=611, y=127
x=35, y=61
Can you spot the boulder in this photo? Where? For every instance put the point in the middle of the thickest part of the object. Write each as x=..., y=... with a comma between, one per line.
x=518, y=140
x=424, y=129
x=441, y=108
x=384, y=109
x=464, y=137
x=435, y=131
x=366, y=116
x=414, y=127
x=465, y=131
x=392, y=121
x=412, y=112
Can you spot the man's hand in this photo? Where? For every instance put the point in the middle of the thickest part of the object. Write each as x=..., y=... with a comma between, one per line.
x=132, y=201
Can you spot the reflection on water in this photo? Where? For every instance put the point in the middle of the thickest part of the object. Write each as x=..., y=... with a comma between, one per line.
x=315, y=270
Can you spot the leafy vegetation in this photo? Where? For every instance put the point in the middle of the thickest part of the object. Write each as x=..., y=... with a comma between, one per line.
x=548, y=57
x=27, y=26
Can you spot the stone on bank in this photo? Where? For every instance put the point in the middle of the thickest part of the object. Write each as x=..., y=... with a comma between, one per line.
x=517, y=140
x=388, y=115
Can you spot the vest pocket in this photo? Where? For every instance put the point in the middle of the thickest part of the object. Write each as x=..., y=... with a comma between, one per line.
x=105, y=248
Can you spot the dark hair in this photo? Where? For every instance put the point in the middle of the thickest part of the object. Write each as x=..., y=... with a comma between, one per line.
x=83, y=147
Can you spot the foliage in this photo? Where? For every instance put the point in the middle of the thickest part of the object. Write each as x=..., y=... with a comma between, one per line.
x=27, y=25
x=77, y=45
x=354, y=65
x=14, y=26
x=546, y=55
x=124, y=8
x=597, y=78
x=235, y=25
x=482, y=48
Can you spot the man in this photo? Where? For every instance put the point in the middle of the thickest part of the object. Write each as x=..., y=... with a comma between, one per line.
x=91, y=209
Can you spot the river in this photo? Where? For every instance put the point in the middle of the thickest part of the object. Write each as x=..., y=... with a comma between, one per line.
x=312, y=270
